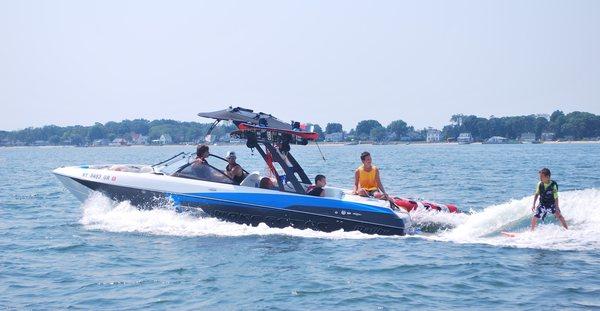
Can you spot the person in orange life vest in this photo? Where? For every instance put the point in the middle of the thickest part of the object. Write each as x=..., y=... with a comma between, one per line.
x=366, y=179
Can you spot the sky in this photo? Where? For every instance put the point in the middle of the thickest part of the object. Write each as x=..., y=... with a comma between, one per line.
x=81, y=62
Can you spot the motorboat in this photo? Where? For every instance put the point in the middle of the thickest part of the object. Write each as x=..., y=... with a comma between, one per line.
x=188, y=184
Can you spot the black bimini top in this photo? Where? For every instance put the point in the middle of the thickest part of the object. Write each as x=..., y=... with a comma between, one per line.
x=242, y=115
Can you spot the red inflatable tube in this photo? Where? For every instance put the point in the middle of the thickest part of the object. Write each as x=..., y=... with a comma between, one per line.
x=411, y=205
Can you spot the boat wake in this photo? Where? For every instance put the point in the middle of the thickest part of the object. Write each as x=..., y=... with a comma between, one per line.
x=580, y=208
x=431, y=221
x=482, y=227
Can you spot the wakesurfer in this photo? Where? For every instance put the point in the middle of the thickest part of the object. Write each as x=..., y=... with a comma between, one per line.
x=547, y=192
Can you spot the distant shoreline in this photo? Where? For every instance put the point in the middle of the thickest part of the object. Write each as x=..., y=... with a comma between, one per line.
x=455, y=143
x=575, y=126
x=329, y=144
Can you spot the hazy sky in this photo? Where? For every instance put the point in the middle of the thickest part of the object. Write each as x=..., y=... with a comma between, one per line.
x=80, y=62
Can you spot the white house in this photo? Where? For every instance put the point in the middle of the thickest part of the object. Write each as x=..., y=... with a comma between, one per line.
x=165, y=139
x=433, y=135
x=139, y=139
x=496, y=140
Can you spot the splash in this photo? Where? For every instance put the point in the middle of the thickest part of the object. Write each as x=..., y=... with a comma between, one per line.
x=483, y=227
x=580, y=209
x=433, y=221
x=100, y=213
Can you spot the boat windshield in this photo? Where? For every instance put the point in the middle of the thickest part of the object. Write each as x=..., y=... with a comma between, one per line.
x=203, y=171
x=174, y=163
x=184, y=165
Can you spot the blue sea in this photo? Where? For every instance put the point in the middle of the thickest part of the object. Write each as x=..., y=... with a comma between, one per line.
x=59, y=253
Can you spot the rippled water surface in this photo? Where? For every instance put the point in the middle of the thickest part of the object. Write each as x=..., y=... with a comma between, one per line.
x=57, y=253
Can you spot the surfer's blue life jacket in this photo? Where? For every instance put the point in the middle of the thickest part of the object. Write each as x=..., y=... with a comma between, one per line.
x=547, y=194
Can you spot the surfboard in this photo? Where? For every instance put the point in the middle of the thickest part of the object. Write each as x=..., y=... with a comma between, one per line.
x=509, y=234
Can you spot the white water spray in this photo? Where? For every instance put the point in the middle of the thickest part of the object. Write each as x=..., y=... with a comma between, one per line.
x=100, y=213
x=580, y=209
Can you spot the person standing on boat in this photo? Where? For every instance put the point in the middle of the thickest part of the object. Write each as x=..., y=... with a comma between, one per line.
x=366, y=179
x=234, y=170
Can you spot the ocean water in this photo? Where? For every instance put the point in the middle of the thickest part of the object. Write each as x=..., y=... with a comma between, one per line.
x=57, y=253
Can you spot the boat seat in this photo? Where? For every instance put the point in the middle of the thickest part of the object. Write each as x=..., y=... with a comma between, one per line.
x=146, y=169
x=131, y=168
x=252, y=180
x=331, y=192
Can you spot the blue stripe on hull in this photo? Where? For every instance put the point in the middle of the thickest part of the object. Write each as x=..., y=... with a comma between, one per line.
x=275, y=200
x=297, y=216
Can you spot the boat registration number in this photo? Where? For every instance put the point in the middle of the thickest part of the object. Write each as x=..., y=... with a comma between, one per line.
x=99, y=176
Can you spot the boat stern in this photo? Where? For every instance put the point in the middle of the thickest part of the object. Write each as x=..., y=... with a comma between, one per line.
x=405, y=217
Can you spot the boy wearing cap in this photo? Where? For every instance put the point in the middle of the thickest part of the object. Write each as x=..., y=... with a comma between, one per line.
x=234, y=170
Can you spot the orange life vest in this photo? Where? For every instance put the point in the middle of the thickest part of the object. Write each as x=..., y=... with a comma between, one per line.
x=368, y=179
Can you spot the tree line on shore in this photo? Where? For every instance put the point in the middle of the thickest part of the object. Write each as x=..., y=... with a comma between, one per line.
x=576, y=125
x=573, y=126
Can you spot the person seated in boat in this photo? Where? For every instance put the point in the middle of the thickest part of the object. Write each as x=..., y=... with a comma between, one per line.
x=547, y=192
x=366, y=179
x=202, y=152
x=199, y=167
x=233, y=169
x=266, y=183
x=317, y=188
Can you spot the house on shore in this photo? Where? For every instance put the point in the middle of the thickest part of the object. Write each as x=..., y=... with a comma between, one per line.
x=119, y=142
x=433, y=135
x=165, y=139
x=527, y=138
x=139, y=139
x=548, y=136
x=464, y=138
x=496, y=140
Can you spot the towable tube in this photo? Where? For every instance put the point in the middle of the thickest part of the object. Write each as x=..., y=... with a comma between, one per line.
x=411, y=205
